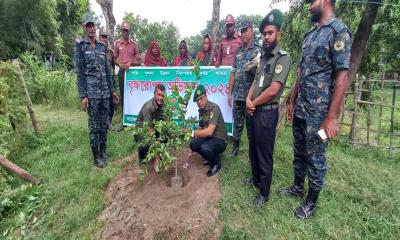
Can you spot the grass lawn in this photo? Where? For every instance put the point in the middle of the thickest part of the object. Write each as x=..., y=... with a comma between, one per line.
x=361, y=199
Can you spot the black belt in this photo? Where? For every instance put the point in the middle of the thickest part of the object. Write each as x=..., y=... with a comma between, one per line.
x=268, y=107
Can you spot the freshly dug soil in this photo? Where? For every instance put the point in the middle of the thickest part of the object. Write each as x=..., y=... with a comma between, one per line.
x=155, y=210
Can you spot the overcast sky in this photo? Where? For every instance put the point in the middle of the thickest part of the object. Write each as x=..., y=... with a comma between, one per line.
x=190, y=16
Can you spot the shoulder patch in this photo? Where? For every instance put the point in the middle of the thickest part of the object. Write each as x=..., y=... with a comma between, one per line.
x=278, y=68
x=211, y=115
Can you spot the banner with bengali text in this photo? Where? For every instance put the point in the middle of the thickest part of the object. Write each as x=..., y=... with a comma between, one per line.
x=141, y=81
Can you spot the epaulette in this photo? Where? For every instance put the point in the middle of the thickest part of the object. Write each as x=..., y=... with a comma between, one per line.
x=337, y=25
x=282, y=52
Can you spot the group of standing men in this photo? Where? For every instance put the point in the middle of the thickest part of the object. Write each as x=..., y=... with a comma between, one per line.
x=257, y=80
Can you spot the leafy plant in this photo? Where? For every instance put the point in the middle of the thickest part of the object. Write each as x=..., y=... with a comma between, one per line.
x=173, y=132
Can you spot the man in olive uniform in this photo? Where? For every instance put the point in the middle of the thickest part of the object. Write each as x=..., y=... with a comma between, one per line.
x=315, y=104
x=95, y=87
x=210, y=139
x=240, y=82
x=151, y=110
x=103, y=37
x=263, y=103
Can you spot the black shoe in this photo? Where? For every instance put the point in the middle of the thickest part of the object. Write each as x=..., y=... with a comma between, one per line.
x=213, y=170
x=100, y=163
x=103, y=156
x=260, y=201
x=308, y=207
x=250, y=182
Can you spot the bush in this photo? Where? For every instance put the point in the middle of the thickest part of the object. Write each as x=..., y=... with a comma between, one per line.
x=55, y=87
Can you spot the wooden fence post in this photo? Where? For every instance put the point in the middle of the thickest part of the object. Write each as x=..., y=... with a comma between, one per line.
x=27, y=98
x=392, y=117
x=17, y=170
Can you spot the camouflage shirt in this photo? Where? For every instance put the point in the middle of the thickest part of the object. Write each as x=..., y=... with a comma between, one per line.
x=94, y=77
x=243, y=76
x=211, y=114
x=273, y=67
x=325, y=51
x=150, y=111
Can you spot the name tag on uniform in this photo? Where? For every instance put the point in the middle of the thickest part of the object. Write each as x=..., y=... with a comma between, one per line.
x=261, y=81
x=228, y=50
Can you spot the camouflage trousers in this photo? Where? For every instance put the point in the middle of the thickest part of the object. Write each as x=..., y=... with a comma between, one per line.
x=309, y=152
x=99, y=121
x=239, y=117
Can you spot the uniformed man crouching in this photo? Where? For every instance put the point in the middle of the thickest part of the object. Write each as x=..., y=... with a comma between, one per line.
x=211, y=137
x=151, y=110
x=263, y=103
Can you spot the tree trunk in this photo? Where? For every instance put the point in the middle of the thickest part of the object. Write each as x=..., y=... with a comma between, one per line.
x=215, y=24
x=107, y=8
x=362, y=35
x=17, y=170
x=27, y=99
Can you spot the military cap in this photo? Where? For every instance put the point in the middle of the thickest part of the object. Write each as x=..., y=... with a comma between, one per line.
x=245, y=24
x=200, y=90
x=229, y=19
x=87, y=19
x=275, y=17
x=103, y=32
x=124, y=25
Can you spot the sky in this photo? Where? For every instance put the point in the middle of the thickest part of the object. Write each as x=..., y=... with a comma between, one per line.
x=189, y=16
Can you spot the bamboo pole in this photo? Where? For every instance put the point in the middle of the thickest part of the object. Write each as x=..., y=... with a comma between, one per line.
x=17, y=170
x=392, y=119
x=27, y=98
x=380, y=112
x=357, y=97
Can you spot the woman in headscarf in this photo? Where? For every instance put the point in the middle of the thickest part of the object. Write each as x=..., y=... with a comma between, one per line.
x=206, y=56
x=153, y=56
x=183, y=59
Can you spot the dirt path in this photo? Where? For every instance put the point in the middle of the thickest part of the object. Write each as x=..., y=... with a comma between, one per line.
x=154, y=210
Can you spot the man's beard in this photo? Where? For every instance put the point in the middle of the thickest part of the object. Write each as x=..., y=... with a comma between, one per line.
x=271, y=47
x=316, y=15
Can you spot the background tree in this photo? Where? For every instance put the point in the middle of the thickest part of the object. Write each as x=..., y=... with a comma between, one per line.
x=107, y=8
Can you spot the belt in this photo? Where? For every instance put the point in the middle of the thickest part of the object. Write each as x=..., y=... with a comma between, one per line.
x=268, y=107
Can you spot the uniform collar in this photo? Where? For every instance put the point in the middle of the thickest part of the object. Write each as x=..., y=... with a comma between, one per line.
x=86, y=39
x=274, y=51
x=330, y=20
x=130, y=41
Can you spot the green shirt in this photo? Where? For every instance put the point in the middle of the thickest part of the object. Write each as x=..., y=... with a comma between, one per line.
x=150, y=111
x=211, y=115
x=272, y=67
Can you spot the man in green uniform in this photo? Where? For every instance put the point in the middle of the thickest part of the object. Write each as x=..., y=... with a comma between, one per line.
x=151, y=110
x=210, y=139
x=263, y=103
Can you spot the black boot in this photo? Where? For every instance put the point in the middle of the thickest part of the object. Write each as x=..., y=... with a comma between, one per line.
x=235, y=149
x=96, y=156
x=308, y=207
x=214, y=169
x=296, y=190
x=102, y=155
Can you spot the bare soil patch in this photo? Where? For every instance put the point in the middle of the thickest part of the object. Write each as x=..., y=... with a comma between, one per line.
x=155, y=210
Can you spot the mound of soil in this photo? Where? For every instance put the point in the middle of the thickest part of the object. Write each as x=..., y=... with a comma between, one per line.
x=155, y=210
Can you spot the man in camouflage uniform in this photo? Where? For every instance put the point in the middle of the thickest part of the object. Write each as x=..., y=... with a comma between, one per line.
x=319, y=92
x=103, y=37
x=95, y=87
x=263, y=105
x=240, y=82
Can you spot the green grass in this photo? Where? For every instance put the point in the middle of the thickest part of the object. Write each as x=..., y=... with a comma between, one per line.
x=361, y=198
x=72, y=187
